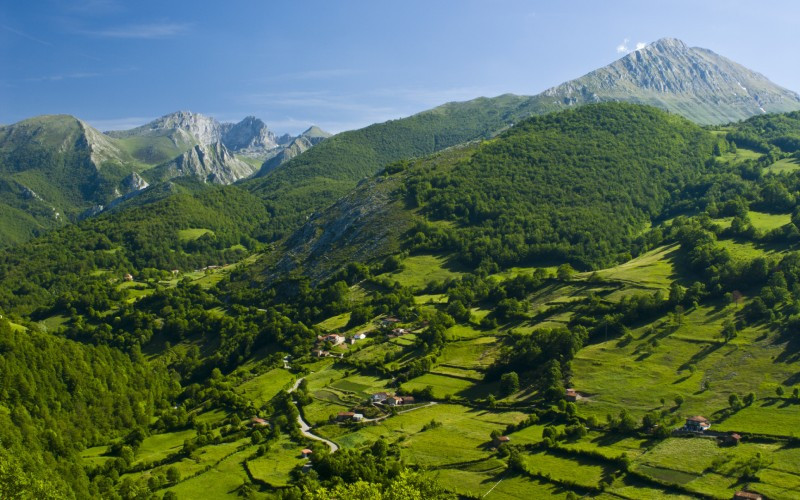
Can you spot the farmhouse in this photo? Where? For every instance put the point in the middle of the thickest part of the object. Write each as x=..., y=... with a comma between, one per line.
x=399, y=331
x=697, y=424
x=332, y=338
x=380, y=397
x=394, y=400
x=358, y=417
x=732, y=439
x=408, y=400
x=571, y=395
x=345, y=415
x=258, y=422
x=500, y=440
x=306, y=452
x=128, y=277
x=319, y=353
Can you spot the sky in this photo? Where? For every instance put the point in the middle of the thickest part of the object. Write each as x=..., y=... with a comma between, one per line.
x=344, y=64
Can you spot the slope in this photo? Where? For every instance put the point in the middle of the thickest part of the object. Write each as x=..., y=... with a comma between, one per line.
x=695, y=83
x=577, y=186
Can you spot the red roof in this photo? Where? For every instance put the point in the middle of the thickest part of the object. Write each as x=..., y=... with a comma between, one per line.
x=571, y=392
x=307, y=451
x=504, y=439
x=697, y=418
x=346, y=413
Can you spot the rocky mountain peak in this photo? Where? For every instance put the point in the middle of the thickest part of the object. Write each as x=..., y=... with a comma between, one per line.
x=250, y=135
x=694, y=82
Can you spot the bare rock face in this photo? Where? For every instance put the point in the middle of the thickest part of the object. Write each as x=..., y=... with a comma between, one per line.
x=204, y=129
x=303, y=142
x=694, y=82
x=133, y=183
x=213, y=163
x=250, y=136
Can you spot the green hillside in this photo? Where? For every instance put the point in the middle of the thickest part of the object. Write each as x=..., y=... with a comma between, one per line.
x=687, y=304
x=319, y=176
x=578, y=186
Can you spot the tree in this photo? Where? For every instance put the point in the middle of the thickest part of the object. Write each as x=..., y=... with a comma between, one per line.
x=734, y=402
x=509, y=383
x=173, y=475
x=678, y=400
x=728, y=330
x=779, y=391
x=565, y=272
x=749, y=399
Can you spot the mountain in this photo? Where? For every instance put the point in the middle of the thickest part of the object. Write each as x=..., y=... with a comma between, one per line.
x=177, y=132
x=57, y=169
x=209, y=163
x=694, y=82
x=575, y=185
x=300, y=144
x=54, y=168
x=250, y=136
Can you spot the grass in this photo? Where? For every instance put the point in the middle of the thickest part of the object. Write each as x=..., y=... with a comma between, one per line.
x=767, y=222
x=274, y=467
x=192, y=234
x=443, y=385
x=765, y=417
x=786, y=165
x=221, y=480
x=159, y=446
x=653, y=269
x=335, y=322
x=264, y=387
x=419, y=270
x=582, y=471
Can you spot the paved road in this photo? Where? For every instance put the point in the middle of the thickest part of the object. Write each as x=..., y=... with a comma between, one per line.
x=305, y=428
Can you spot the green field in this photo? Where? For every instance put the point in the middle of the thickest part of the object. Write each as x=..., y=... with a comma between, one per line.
x=786, y=165
x=273, y=468
x=193, y=233
x=418, y=270
x=264, y=387
x=767, y=222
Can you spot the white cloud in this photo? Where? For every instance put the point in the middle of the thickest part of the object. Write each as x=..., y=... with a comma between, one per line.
x=623, y=48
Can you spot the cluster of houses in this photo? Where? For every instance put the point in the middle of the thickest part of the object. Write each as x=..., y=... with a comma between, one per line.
x=391, y=400
x=335, y=339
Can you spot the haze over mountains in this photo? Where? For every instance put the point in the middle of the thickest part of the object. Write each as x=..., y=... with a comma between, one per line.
x=96, y=168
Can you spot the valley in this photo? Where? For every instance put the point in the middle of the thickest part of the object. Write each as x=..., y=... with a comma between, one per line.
x=593, y=292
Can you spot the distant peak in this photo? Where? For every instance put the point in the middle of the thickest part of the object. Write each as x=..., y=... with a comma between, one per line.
x=666, y=44
x=314, y=131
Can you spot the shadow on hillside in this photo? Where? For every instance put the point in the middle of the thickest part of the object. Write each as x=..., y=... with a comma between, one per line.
x=702, y=354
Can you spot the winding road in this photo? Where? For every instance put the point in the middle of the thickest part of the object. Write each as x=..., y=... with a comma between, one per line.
x=305, y=428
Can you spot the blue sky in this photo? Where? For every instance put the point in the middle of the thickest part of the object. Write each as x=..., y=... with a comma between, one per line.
x=344, y=64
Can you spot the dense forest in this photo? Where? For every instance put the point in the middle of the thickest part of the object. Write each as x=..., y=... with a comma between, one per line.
x=578, y=186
